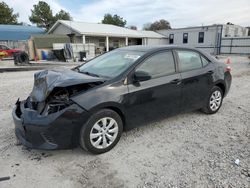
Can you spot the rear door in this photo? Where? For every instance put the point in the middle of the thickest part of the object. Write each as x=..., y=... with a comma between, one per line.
x=157, y=97
x=196, y=74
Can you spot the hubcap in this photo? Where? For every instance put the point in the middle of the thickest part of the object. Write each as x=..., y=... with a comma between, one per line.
x=215, y=100
x=103, y=133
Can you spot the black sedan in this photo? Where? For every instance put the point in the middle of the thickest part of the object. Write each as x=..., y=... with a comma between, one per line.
x=93, y=103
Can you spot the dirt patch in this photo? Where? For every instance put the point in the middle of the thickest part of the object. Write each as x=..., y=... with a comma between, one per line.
x=84, y=174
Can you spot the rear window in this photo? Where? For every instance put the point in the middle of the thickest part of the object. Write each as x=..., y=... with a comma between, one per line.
x=189, y=60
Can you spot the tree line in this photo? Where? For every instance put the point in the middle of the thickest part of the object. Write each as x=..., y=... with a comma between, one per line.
x=43, y=17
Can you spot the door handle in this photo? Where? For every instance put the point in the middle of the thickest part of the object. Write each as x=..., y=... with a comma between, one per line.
x=176, y=81
x=210, y=72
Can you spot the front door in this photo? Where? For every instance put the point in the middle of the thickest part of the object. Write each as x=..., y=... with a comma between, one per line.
x=157, y=97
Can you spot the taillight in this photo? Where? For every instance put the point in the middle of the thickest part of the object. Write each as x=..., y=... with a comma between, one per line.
x=228, y=69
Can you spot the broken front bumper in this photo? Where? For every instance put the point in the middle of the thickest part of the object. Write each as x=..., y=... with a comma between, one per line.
x=59, y=130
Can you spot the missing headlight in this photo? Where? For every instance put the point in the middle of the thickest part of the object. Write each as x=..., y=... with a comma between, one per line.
x=57, y=102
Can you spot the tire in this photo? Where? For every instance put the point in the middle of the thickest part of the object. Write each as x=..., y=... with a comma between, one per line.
x=96, y=137
x=23, y=58
x=216, y=94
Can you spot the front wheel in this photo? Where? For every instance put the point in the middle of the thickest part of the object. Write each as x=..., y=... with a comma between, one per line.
x=214, y=101
x=102, y=131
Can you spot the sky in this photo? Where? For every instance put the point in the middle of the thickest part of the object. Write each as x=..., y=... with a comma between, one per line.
x=180, y=13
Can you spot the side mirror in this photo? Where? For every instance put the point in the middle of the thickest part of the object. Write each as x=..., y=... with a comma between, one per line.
x=141, y=76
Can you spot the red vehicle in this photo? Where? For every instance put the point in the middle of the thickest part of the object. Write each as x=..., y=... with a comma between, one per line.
x=8, y=50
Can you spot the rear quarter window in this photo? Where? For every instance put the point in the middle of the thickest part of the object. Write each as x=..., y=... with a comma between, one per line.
x=205, y=61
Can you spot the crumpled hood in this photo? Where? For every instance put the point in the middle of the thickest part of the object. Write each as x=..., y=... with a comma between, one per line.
x=45, y=81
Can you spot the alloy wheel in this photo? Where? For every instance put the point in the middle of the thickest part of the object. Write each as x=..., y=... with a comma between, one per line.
x=215, y=100
x=103, y=133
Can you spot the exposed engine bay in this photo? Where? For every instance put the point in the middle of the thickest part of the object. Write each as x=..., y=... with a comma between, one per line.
x=53, y=88
x=58, y=99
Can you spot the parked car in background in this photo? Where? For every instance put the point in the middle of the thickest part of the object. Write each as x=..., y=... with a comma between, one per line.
x=3, y=55
x=93, y=103
x=8, y=51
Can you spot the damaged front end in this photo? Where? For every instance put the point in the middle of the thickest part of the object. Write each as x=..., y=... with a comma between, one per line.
x=48, y=118
x=58, y=99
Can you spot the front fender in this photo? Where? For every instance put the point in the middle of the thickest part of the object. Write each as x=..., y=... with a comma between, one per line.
x=109, y=95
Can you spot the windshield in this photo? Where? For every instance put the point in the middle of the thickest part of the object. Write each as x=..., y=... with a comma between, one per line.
x=110, y=64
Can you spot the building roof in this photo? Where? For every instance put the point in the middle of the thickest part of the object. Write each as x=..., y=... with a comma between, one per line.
x=192, y=27
x=18, y=32
x=151, y=34
x=202, y=26
x=96, y=29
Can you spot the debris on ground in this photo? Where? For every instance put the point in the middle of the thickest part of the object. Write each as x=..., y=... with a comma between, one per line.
x=237, y=162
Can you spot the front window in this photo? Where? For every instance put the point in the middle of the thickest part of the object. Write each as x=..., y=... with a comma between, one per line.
x=158, y=65
x=111, y=64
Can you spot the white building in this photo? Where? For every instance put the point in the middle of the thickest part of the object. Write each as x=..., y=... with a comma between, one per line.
x=234, y=31
x=105, y=36
x=207, y=38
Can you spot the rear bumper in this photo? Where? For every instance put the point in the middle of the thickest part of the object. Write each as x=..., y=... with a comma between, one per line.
x=59, y=130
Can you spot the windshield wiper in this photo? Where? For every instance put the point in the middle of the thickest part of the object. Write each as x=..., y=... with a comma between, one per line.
x=89, y=73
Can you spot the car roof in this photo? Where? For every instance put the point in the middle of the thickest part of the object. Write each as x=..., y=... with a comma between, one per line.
x=148, y=48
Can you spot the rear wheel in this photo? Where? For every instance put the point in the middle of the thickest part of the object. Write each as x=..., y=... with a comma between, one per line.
x=214, y=101
x=102, y=131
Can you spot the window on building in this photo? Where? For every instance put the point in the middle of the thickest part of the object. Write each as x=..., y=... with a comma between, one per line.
x=160, y=64
x=102, y=43
x=171, y=39
x=185, y=38
x=116, y=43
x=201, y=37
x=189, y=60
x=244, y=32
x=130, y=42
x=236, y=32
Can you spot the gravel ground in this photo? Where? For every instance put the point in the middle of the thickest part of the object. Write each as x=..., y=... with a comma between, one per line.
x=188, y=150
x=9, y=63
